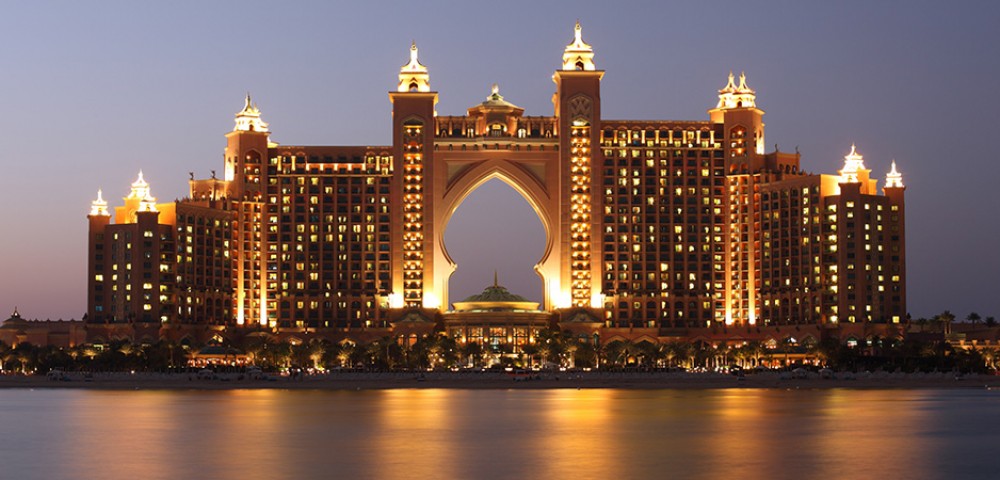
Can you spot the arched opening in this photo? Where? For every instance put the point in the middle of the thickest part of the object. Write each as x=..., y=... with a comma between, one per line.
x=495, y=228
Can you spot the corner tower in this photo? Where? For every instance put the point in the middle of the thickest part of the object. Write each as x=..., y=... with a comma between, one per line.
x=98, y=220
x=894, y=190
x=577, y=104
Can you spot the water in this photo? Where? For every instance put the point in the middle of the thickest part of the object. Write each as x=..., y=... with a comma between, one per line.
x=466, y=434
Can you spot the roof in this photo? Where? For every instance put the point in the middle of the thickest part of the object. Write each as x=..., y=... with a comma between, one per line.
x=14, y=322
x=495, y=298
x=496, y=293
x=496, y=100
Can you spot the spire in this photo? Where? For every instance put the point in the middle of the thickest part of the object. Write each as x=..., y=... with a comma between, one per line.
x=413, y=76
x=743, y=88
x=578, y=55
x=99, y=207
x=496, y=278
x=248, y=119
x=496, y=99
x=733, y=96
x=15, y=314
x=853, y=164
x=148, y=203
x=730, y=86
x=140, y=191
x=893, y=179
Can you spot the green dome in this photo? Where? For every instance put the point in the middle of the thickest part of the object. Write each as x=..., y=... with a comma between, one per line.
x=495, y=293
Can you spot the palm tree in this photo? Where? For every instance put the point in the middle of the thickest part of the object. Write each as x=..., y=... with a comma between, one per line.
x=647, y=354
x=4, y=354
x=944, y=319
x=973, y=318
x=473, y=353
x=585, y=354
x=345, y=353
x=24, y=355
x=317, y=351
x=619, y=352
x=300, y=355
x=256, y=347
x=528, y=353
x=675, y=353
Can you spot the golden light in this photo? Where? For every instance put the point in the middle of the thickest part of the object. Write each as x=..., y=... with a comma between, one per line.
x=248, y=120
x=99, y=208
x=578, y=55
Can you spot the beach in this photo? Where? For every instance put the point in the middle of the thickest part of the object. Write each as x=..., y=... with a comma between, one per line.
x=503, y=380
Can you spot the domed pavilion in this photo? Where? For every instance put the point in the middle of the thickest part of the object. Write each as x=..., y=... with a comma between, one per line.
x=497, y=319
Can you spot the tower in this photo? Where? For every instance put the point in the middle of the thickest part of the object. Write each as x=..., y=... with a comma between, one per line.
x=246, y=151
x=894, y=190
x=413, y=282
x=744, y=125
x=98, y=219
x=577, y=104
x=743, y=143
x=246, y=177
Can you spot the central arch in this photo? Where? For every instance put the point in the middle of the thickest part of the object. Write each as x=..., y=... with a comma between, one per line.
x=526, y=178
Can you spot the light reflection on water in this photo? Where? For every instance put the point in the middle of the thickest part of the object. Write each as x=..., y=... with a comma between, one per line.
x=600, y=433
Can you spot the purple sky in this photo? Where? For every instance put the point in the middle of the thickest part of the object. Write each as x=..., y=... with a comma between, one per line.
x=92, y=92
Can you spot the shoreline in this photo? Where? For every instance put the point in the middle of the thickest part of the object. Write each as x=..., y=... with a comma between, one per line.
x=502, y=381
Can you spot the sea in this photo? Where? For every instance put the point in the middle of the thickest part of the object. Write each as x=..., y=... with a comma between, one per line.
x=500, y=434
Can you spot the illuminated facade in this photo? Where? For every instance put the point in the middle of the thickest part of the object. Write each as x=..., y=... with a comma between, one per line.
x=664, y=229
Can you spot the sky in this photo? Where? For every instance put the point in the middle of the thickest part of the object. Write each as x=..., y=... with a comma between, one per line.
x=90, y=93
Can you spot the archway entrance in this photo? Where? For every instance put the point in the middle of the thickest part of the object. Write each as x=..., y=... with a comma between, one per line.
x=495, y=229
x=526, y=174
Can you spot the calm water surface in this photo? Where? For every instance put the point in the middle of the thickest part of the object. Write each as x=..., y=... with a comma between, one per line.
x=460, y=434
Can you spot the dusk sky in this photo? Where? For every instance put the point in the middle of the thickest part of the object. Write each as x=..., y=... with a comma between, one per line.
x=90, y=93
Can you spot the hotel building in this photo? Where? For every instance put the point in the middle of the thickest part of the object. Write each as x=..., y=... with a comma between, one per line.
x=666, y=229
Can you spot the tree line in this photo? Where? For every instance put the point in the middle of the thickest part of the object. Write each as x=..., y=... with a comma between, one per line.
x=551, y=349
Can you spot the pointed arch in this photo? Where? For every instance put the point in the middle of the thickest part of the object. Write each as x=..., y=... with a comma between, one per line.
x=527, y=178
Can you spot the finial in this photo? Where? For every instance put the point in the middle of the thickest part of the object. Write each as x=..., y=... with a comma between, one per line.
x=15, y=314
x=894, y=179
x=248, y=119
x=496, y=89
x=853, y=163
x=101, y=199
x=413, y=76
x=496, y=277
x=733, y=96
x=578, y=55
x=99, y=207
